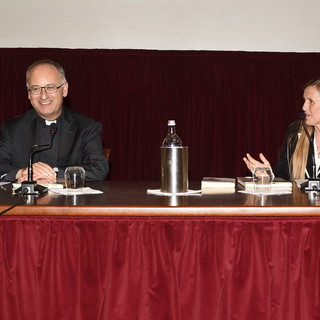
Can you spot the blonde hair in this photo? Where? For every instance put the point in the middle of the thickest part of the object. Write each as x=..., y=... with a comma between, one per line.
x=299, y=158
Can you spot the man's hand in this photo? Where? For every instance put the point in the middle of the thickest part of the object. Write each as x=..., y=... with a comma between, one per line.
x=42, y=173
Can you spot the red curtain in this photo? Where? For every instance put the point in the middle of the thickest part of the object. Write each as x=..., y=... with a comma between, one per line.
x=159, y=268
x=225, y=103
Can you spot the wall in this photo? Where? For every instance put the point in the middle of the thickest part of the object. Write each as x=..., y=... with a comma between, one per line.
x=241, y=25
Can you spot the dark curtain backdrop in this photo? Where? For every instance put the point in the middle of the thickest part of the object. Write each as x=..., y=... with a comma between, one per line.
x=159, y=268
x=225, y=103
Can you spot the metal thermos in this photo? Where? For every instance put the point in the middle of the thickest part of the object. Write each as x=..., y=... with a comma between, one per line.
x=174, y=169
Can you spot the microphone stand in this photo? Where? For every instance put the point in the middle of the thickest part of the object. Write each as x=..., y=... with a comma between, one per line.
x=31, y=187
x=312, y=184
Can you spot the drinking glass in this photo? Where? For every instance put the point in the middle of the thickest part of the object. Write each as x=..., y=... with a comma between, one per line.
x=262, y=179
x=74, y=177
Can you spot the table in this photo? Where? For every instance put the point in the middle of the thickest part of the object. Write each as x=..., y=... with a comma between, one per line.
x=131, y=198
x=129, y=255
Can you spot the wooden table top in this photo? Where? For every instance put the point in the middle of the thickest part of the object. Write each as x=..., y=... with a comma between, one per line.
x=131, y=198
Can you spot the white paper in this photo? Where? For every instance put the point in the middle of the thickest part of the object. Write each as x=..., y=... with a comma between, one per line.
x=79, y=191
x=159, y=193
x=269, y=193
x=48, y=185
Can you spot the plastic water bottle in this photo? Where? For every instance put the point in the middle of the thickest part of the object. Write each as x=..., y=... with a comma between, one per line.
x=172, y=139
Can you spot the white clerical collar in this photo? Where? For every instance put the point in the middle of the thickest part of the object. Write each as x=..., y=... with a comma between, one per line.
x=48, y=122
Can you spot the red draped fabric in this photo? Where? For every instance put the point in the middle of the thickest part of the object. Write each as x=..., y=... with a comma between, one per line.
x=159, y=268
x=225, y=103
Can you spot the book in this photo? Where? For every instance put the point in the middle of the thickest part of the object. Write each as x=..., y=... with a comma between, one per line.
x=210, y=185
x=279, y=183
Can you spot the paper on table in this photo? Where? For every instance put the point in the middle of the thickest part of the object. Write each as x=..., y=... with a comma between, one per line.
x=49, y=185
x=79, y=191
x=159, y=193
x=271, y=192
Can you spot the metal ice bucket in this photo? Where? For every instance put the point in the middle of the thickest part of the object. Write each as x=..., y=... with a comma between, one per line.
x=174, y=169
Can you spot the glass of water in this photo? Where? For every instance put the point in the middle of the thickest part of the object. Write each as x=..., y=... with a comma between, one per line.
x=262, y=179
x=74, y=177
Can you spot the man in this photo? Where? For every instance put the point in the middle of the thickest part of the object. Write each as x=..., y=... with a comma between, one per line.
x=77, y=140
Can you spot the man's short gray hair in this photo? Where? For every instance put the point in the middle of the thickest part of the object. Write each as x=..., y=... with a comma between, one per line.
x=49, y=62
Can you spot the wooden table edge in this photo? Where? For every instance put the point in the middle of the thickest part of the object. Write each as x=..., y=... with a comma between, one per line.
x=46, y=210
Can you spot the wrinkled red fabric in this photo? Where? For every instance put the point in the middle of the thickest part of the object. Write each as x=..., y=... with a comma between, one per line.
x=159, y=268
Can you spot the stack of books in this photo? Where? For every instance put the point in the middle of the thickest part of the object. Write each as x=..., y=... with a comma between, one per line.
x=211, y=185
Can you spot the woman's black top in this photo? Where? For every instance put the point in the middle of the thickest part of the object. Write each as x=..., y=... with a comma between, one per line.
x=283, y=167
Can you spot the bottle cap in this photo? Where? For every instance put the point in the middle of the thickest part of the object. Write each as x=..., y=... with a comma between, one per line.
x=171, y=122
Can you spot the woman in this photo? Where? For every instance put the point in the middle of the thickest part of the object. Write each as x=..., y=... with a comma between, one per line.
x=300, y=153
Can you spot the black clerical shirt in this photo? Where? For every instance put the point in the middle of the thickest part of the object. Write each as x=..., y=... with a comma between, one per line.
x=49, y=156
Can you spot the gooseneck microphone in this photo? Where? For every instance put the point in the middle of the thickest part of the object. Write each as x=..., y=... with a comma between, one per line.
x=313, y=183
x=30, y=186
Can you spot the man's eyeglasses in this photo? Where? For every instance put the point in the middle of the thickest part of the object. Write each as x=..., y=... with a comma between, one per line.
x=50, y=88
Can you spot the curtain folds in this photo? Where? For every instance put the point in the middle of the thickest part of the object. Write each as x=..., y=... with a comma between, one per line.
x=225, y=103
x=159, y=268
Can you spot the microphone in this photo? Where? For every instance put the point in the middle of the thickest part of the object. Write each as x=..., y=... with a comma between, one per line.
x=312, y=184
x=302, y=115
x=30, y=186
